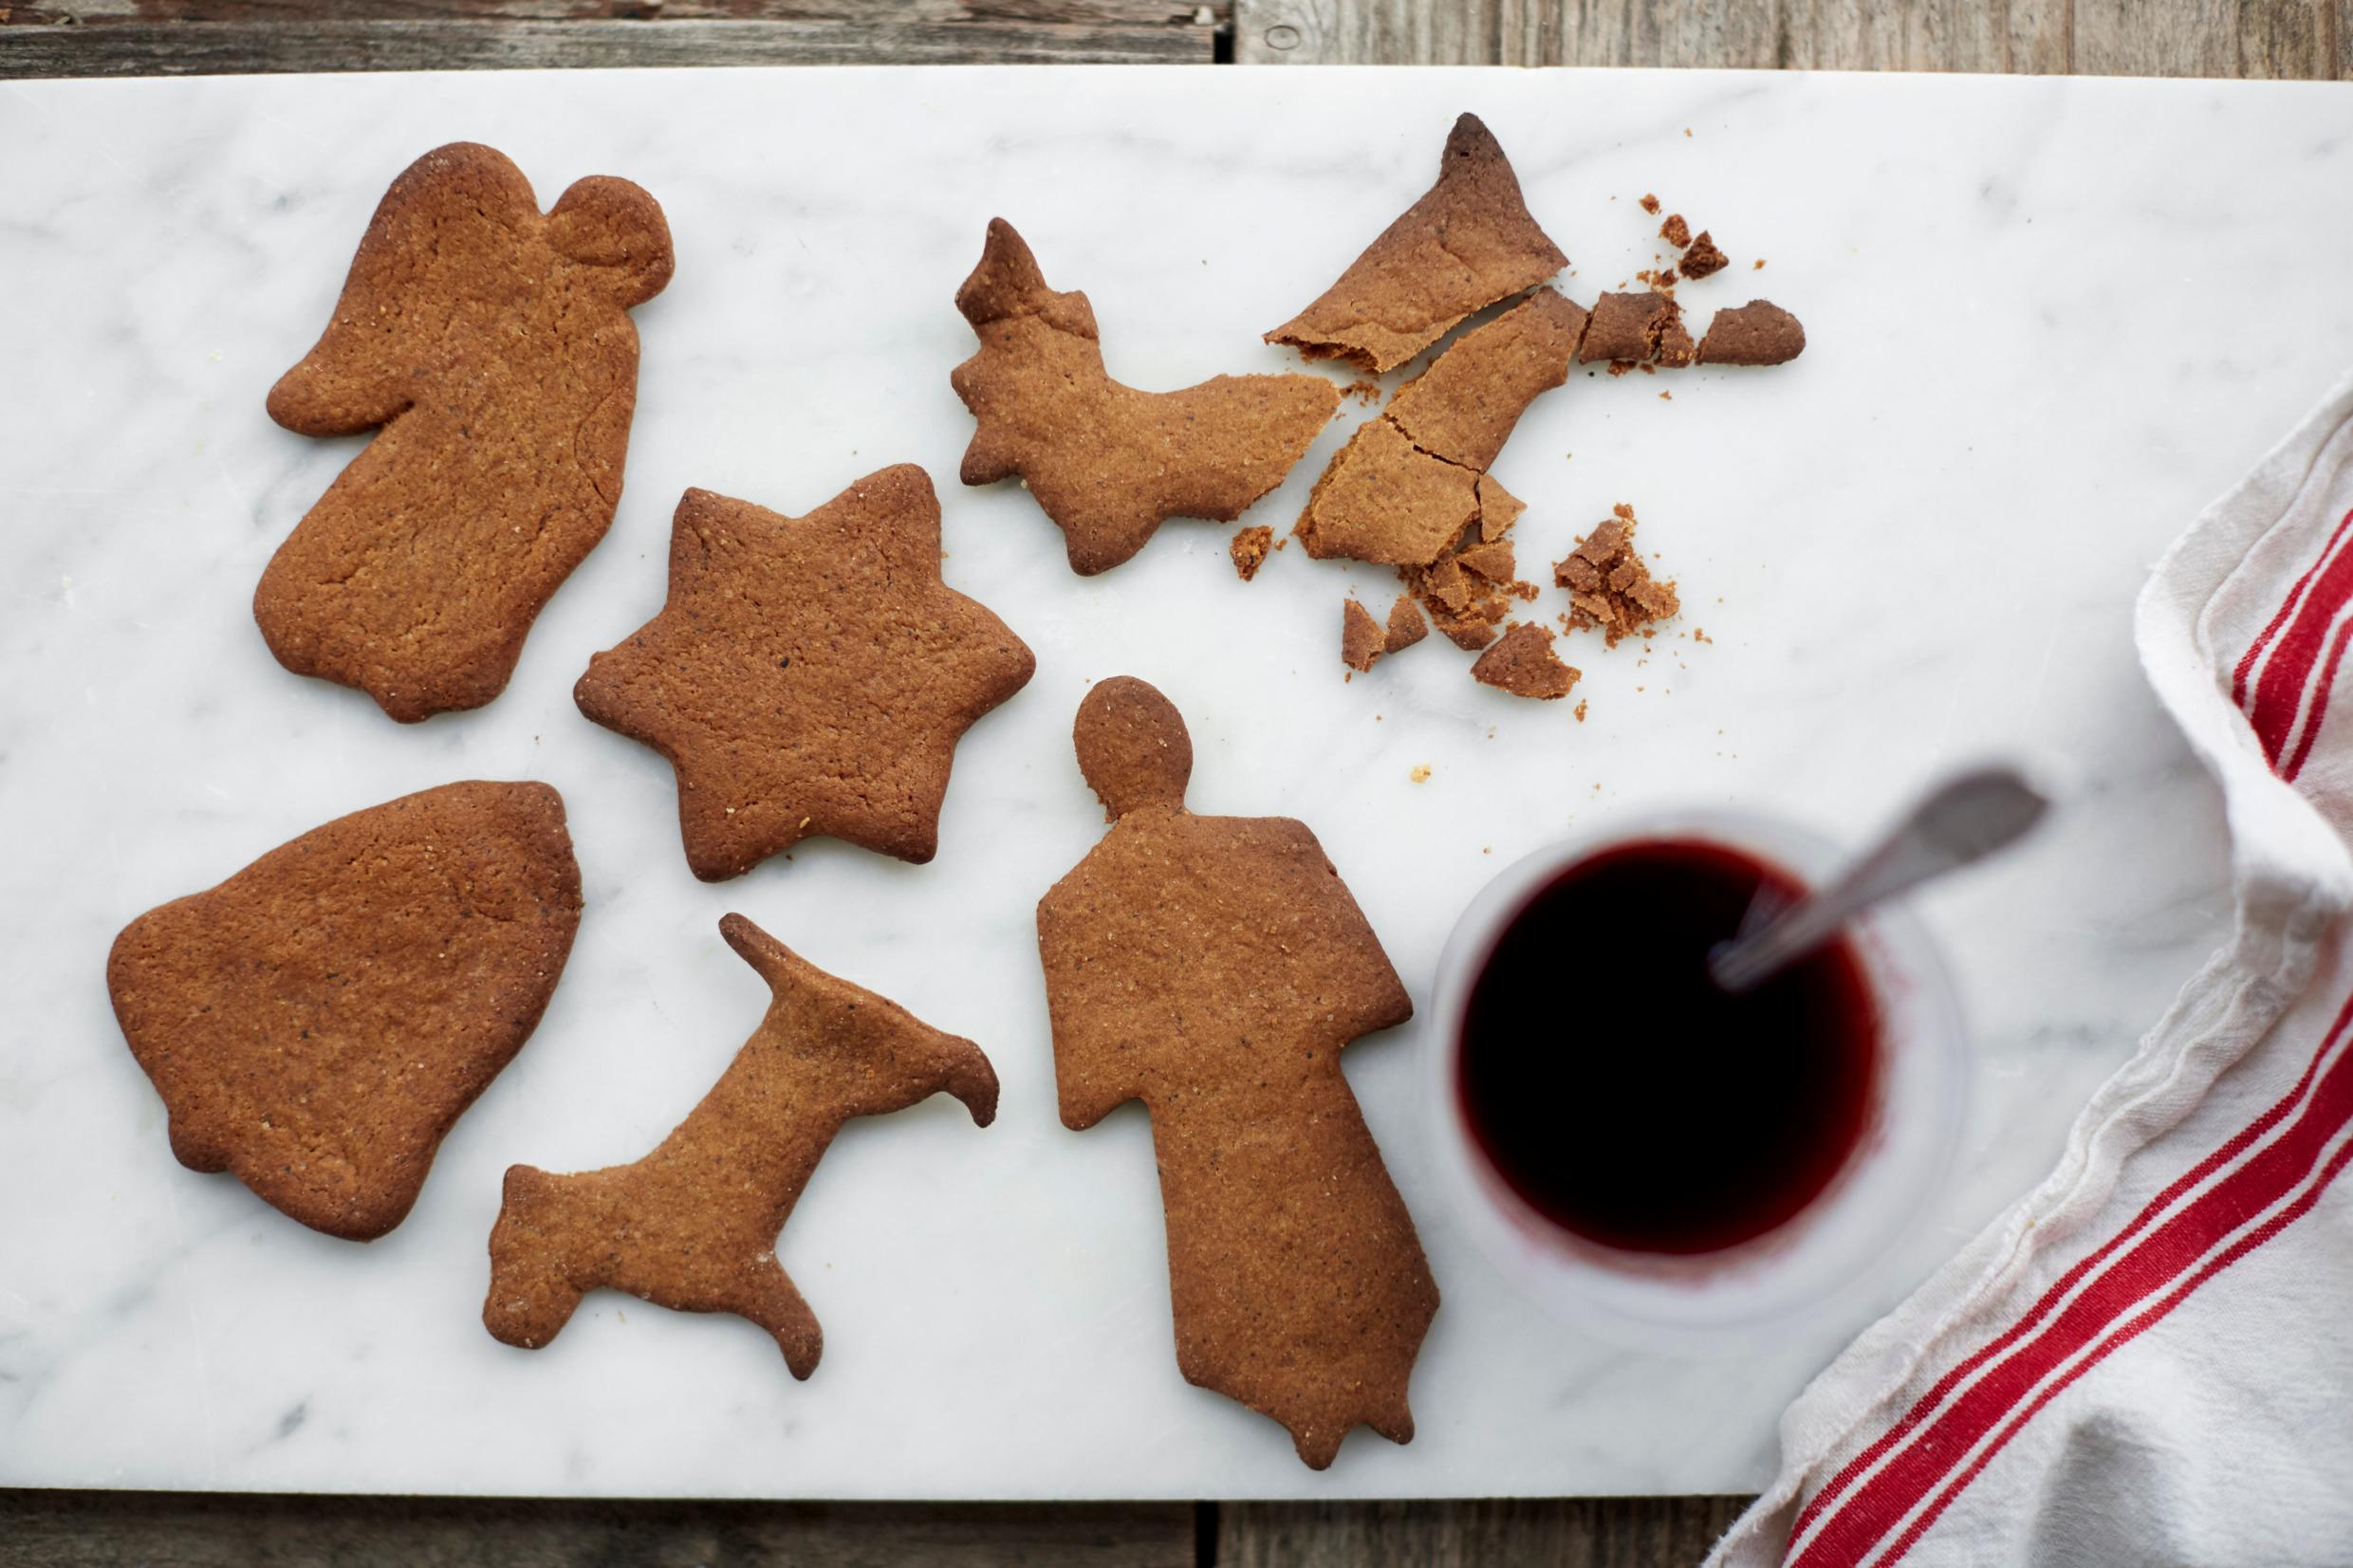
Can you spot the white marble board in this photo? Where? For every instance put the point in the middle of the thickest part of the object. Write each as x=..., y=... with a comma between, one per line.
x=2048, y=319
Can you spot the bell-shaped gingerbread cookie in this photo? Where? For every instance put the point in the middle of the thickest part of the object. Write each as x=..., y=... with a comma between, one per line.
x=1214, y=968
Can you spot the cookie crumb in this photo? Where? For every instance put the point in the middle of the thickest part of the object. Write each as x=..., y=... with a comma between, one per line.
x=1650, y=205
x=1249, y=549
x=1420, y=773
x=1674, y=230
x=1364, y=390
x=1703, y=257
x=1757, y=265
x=1581, y=709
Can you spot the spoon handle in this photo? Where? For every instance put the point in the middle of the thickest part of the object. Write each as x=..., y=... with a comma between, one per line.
x=1964, y=820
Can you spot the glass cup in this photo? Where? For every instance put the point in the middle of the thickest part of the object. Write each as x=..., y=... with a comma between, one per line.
x=1789, y=1276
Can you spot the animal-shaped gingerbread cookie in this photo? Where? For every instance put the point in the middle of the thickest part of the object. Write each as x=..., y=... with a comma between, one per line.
x=1109, y=463
x=1214, y=967
x=489, y=347
x=694, y=1225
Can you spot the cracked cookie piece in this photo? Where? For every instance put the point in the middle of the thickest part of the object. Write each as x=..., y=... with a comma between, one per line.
x=1703, y=258
x=1215, y=968
x=489, y=347
x=694, y=1225
x=1109, y=464
x=318, y=1022
x=1249, y=549
x=1384, y=499
x=1758, y=333
x=1465, y=244
x=1609, y=585
x=1362, y=639
x=1646, y=328
x=1524, y=664
x=1464, y=407
x=807, y=675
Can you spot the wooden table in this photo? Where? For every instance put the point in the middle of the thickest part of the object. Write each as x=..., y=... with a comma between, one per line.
x=80, y=38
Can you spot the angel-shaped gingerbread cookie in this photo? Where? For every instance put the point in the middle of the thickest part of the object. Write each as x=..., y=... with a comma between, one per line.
x=1214, y=967
x=489, y=347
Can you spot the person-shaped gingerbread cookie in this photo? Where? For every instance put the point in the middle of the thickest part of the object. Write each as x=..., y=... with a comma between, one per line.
x=1214, y=967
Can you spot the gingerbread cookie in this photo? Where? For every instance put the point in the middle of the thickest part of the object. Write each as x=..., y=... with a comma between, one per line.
x=807, y=675
x=1465, y=244
x=489, y=347
x=1524, y=664
x=1463, y=408
x=1214, y=968
x=1109, y=464
x=1758, y=333
x=694, y=1225
x=319, y=1022
x=1646, y=328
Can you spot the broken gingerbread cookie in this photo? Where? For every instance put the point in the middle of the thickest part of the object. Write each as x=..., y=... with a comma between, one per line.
x=1468, y=243
x=1609, y=585
x=1109, y=462
x=694, y=1225
x=1215, y=968
x=1634, y=330
x=808, y=676
x=489, y=346
x=1523, y=663
x=1758, y=333
x=1250, y=548
x=318, y=1022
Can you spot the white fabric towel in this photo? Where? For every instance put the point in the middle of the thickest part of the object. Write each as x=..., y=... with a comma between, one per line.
x=2149, y=1358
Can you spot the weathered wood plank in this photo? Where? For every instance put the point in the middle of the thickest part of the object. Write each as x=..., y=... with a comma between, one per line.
x=52, y=1529
x=215, y=48
x=1507, y=1533
x=878, y=14
x=2254, y=38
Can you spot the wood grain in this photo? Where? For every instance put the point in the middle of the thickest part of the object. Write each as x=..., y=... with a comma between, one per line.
x=215, y=48
x=58, y=1529
x=1606, y=1532
x=2252, y=38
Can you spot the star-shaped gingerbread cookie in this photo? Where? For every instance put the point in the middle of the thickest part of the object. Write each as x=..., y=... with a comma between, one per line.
x=808, y=677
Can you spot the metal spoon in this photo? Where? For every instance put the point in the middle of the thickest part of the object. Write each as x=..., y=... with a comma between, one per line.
x=1964, y=820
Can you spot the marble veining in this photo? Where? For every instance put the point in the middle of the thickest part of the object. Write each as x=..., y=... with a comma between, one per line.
x=1917, y=544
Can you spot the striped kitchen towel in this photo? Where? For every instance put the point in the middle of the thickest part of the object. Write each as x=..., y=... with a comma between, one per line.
x=2149, y=1358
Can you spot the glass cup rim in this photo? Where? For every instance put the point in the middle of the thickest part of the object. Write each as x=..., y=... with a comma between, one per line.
x=1695, y=1301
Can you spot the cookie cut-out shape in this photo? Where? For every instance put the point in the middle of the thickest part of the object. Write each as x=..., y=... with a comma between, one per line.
x=694, y=1225
x=1109, y=462
x=1214, y=968
x=318, y=1022
x=1465, y=244
x=489, y=347
x=808, y=676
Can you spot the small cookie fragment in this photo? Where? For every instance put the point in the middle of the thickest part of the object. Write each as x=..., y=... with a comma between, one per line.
x=1524, y=664
x=808, y=677
x=1630, y=329
x=1463, y=408
x=1758, y=333
x=1249, y=549
x=318, y=1022
x=694, y=1225
x=1703, y=257
x=1465, y=244
x=1362, y=637
x=1650, y=205
x=1676, y=231
x=1215, y=968
x=1492, y=561
x=489, y=346
x=1609, y=585
x=1406, y=627
x=1109, y=462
